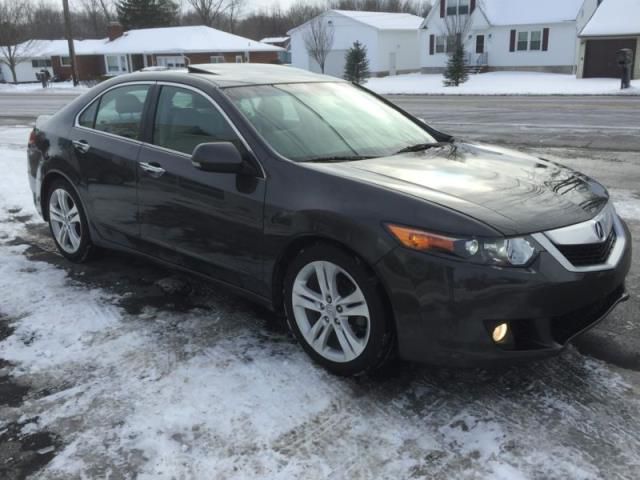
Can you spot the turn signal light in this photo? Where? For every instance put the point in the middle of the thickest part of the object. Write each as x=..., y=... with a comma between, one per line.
x=420, y=240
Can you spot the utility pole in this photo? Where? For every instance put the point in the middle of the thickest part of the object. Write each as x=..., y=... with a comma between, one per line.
x=69, y=35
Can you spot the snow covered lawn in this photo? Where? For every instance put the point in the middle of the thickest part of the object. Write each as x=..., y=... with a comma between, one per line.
x=208, y=387
x=64, y=87
x=502, y=83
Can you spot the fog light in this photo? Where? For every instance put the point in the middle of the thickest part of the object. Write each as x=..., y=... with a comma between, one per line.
x=500, y=333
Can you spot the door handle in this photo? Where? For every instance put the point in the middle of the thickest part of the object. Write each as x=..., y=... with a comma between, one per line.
x=81, y=145
x=154, y=170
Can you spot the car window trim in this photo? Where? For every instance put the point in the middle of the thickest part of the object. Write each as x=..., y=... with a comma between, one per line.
x=76, y=123
x=235, y=129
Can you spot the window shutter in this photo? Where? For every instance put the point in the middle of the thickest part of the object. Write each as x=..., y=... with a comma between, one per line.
x=432, y=46
x=512, y=41
x=473, y=6
x=545, y=39
x=443, y=7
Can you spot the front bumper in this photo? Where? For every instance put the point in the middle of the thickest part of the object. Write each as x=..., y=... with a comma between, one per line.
x=444, y=309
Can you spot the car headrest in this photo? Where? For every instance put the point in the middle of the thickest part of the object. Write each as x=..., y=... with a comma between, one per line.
x=128, y=103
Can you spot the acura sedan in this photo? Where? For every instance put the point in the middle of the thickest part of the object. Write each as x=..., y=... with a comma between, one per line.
x=372, y=232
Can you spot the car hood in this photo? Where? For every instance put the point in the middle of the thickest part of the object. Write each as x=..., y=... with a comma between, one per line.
x=513, y=192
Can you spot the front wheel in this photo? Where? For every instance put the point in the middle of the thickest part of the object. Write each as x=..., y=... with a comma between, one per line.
x=335, y=308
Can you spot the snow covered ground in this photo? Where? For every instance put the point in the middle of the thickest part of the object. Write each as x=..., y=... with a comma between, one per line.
x=209, y=386
x=502, y=83
x=55, y=87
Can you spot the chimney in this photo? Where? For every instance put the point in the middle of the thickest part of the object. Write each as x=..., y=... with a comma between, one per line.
x=114, y=30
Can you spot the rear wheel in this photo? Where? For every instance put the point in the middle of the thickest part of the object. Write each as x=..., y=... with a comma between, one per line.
x=67, y=222
x=335, y=308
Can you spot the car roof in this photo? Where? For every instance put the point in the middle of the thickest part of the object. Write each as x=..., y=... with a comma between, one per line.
x=239, y=74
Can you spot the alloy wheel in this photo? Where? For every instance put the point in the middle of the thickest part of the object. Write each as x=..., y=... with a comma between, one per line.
x=331, y=311
x=65, y=220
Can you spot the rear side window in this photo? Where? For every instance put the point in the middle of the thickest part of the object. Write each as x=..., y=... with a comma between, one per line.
x=120, y=111
x=185, y=119
x=88, y=117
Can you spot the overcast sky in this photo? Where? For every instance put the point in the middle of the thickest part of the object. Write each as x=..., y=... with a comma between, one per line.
x=257, y=4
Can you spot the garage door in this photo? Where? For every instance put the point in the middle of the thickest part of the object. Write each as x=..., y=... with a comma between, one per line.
x=600, y=57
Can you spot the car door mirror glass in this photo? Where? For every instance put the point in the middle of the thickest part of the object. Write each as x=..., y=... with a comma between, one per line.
x=221, y=157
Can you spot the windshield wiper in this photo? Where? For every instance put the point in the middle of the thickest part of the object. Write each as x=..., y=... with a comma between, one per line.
x=422, y=146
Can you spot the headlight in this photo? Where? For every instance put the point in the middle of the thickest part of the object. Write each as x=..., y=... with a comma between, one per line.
x=516, y=252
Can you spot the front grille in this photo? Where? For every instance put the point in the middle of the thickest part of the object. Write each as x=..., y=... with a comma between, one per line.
x=589, y=253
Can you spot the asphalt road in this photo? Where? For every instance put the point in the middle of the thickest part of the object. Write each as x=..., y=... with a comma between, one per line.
x=602, y=123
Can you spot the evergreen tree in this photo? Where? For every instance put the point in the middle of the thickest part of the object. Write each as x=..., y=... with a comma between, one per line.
x=456, y=73
x=146, y=13
x=356, y=67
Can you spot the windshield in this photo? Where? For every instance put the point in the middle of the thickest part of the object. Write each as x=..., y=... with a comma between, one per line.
x=326, y=121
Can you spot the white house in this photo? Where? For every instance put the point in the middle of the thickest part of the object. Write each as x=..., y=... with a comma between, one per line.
x=528, y=35
x=614, y=26
x=391, y=40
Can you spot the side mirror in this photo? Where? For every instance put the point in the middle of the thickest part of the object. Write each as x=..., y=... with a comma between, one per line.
x=221, y=157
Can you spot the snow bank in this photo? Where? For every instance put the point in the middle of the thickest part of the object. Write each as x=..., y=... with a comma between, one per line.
x=56, y=87
x=501, y=83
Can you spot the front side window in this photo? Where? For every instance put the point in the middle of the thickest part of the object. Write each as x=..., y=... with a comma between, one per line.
x=185, y=119
x=523, y=40
x=88, y=117
x=320, y=121
x=536, y=40
x=441, y=44
x=120, y=111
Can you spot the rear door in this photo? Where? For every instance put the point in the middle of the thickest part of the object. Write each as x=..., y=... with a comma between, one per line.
x=210, y=222
x=106, y=143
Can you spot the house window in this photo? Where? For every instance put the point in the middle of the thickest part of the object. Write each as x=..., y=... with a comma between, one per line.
x=65, y=61
x=452, y=42
x=116, y=64
x=217, y=59
x=40, y=63
x=523, y=41
x=239, y=59
x=457, y=7
x=441, y=44
x=536, y=40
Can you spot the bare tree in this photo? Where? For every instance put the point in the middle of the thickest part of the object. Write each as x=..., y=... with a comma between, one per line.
x=318, y=40
x=209, y=10
x=233, y=12
x=15, y=46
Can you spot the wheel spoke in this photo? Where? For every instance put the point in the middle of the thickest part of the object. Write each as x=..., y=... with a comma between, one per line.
x=320, y=342
x=74, y=238
x=323, y=283
x=354, y=305
x=353, y=340
x=61, y=198
x=73, y=215
x=312, y=333
x=55, y=214
x=347, y=348
x=63, y=237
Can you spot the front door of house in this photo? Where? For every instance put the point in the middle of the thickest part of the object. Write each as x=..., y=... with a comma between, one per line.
x=479, y=43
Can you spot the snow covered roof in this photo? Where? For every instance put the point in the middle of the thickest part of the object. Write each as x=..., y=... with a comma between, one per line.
x=529, y=12
x=614, y=17
x=50, y=48
x=183, y=39
x=384, y=20
x=274, y=39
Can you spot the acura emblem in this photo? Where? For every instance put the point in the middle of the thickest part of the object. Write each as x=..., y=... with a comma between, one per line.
x=599, y=231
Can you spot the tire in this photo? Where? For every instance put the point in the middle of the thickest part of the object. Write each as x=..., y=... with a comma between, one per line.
x=349, y=337
x=65, y=212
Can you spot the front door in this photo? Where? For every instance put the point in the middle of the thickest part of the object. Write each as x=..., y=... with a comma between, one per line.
x=210, y=222
x=392, y=63
x=480, y=44
x=106, y=144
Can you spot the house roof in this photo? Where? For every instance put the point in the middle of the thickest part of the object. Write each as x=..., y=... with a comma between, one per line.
x=522, y=12
x=377, y=20
x=384, y=20
x=190, y=39
x=528, y=12
x=274, y=39
x=614, y=17
x=50, y=48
